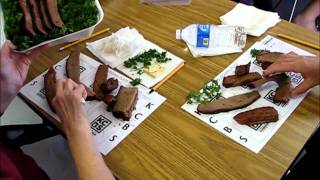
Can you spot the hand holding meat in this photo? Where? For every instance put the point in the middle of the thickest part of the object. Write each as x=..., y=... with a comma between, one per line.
x=67, y=104
x=308, y=66
x=14, y=69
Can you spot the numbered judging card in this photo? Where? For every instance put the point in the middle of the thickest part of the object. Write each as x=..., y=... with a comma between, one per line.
x=256, y=136
x=107, y=130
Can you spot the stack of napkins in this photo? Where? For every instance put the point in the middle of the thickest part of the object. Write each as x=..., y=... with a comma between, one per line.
x=119, y=47
x=255, y=21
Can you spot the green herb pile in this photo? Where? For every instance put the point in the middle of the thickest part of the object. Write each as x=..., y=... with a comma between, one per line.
x=144, y=60
x=135, y=82
x=254, y=52
x=76, y=15
x=210, y=91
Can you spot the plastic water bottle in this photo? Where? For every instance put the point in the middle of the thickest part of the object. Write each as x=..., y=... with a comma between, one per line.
x=212, y=36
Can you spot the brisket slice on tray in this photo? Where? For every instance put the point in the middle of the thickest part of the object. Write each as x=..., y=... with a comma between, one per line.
x=233, y=80
x=277, y=78
x=44, y=14
x=257, y=116
x=50, y=86
x=73, y=72
x=243, y=69
x=228, y=104
x=283, y=91
x=27, y=16
x=36, y=17
x=73, y=66
x=101, y=76
x=53, y=11
x=126, y=102
x=267, y=56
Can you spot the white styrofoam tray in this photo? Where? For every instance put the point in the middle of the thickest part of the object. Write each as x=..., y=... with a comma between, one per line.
x=64, y=39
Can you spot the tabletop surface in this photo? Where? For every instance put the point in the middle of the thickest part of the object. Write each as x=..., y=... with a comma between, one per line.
x=171, y=143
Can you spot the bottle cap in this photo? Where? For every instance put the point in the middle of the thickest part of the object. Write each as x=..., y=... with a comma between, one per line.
x=178, y=34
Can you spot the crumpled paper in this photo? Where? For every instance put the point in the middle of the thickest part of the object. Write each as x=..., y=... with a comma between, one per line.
x=118, y=47
x=255, y=21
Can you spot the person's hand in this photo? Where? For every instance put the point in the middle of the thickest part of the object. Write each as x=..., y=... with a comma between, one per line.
x=308, y=66
x=68, y=106
x=13, y=71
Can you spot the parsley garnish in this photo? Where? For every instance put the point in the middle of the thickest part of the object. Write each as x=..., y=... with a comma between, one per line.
x=254, y=52
x=135, y=82
x=146, y=59
x=209, y=92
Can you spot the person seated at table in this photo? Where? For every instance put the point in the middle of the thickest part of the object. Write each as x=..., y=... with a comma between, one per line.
x=308, y=66
x=67, y=103
x=310, y=16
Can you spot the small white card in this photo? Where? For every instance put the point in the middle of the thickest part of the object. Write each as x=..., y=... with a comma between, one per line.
x=252, y=137
x=107, y=130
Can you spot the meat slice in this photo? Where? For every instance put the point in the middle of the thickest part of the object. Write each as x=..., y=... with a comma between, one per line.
x=52, y=6
x=27, y=16
x=43, y=10
x=228, y=104
x=257, y=116
x=109, y=85
x=36, y=17
x=50, y=86
x=101, y=76
x=267, y=56
x=283, y=91
x=243, y=69
x=73, y=66
x=73, y=72
x=232, y=81
x=125, y=102
x=277, y=78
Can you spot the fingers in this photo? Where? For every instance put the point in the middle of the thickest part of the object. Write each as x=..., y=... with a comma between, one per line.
x=60, y=85
x=70, y=84
x=278, y=68
x=7, y=47
x=80, y=90
x=302, y=88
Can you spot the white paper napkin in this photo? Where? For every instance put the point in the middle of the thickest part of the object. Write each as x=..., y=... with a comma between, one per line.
x=255, y=21
x=198, y=52
x=129, y=43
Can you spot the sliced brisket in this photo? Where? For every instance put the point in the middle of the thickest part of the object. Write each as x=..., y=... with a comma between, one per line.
x=267, y=56
x=233, y=80
x=125, y=102
x=243, y=69
x=44, y=14
x=257, y=116
x=27, y=16
x=36, y=17
x=52, y=6
x=50, y=86
x=228, y=104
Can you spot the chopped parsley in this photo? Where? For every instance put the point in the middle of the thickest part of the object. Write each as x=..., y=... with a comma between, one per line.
x=254, y=52
x=209, y=92
x=135, y=82
x=142, y=61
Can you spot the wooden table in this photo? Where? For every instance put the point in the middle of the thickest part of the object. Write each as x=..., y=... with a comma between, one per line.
x=172, y=144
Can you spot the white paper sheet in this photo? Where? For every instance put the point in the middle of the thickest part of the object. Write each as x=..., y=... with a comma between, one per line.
x=253, y=137
x=108, y=131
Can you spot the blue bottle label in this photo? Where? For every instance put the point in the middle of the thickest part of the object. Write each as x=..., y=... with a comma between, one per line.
x=203, y=35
